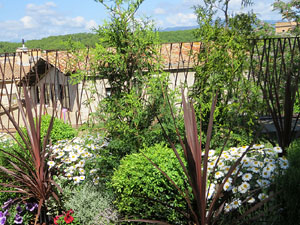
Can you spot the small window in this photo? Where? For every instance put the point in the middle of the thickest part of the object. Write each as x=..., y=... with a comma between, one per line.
x=108, y=92
x=64, y=96
x=47, y=93
x=37, y=94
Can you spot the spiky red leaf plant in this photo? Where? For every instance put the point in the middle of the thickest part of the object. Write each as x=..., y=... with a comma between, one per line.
x=200, y=210
x=30, y=176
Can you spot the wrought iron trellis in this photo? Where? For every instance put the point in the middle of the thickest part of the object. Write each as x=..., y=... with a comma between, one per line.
x=275, y=67
x=31, y=66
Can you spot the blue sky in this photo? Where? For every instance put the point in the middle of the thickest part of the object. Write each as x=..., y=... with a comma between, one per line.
x=35, y=19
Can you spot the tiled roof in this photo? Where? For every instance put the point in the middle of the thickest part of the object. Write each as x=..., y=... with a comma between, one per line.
x=66, y=62
x=174, y=56
x=12, y=71
x=179, y=55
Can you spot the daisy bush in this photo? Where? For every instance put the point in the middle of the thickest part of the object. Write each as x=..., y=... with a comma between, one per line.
x=76, y=159
x=250, y=181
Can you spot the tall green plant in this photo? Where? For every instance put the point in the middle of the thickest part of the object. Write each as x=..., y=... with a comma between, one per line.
x=127, y=57
x=222, y=63
x=126, y=52
x=31, y=176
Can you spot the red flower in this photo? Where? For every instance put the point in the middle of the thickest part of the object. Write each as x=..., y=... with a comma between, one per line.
x=68, y=218
x=70, y=211
x=56, y=218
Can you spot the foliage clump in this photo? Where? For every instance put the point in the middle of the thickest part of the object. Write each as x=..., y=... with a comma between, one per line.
x=60, y=130
x=288, y=186
x=142, y=191
x=91, y=203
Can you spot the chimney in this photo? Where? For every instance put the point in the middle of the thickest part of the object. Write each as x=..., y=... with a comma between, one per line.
x=22, y=52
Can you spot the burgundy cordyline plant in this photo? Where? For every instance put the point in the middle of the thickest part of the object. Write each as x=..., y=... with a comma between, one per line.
x=30, y=176
x=200, y=210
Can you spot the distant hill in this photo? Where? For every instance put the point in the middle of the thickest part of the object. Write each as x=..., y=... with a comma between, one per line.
x=179, y=28
x=168, y=35
x=88, y=39
x=272, y=22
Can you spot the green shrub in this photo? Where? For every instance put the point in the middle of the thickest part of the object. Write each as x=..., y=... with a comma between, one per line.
x=60, y=130
x=137, y=182
x=6, y=143
x=290, y=188
x=92, y=205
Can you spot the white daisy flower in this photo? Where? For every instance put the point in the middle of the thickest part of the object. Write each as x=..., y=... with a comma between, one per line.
x=81, y=163
x=255, y=170
x=262, y=196
x=81, y=151
x=60, y=155
x=257, y=146
x=221, y=164
x=76, y=180
x=85, y=155
x=73, y=157
x=251, y=200
x=246, y=163
x=244, y=187
x=247, y=177
x=56, y=150
x=266, y=160
x=268, y=169
x=96, y=181
x=67, y=148
x=92, y=171
x=256, y=163
x=50, y=164
x=226, y=169
x=243, y=148
x=284, y=164
x=227, y=186
x=211, y=152
x=277, y=149
x=211, y=164
x=263, y=182
x=266, y=174
x=235, y=203
x=81, y=171
x=219, y=174
x=234, y=190
x=69, y=176
x=227, y=207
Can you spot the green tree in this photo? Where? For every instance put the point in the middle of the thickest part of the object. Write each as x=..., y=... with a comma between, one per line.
x=127, y=47
x=222, y=63
x=211, y=7
x=127, y=57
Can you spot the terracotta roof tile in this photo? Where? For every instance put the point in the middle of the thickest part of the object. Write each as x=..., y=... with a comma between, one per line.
x=174, y=56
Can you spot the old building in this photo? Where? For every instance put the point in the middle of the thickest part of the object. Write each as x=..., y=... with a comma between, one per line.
x=51, y=72
x=283, y=27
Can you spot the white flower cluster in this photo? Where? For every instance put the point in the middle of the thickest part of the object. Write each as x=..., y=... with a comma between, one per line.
x=70, y=158
x=257, y=171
